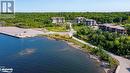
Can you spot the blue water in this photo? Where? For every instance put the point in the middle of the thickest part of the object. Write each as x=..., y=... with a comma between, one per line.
x=47, y=56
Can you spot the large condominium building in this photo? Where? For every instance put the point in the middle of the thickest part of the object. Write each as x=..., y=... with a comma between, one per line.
x=91, y=22
x=79, y=20
x=113, y=28
x=85, y=21
x=58, y=19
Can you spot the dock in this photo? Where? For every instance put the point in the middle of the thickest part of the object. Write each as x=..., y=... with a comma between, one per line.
x=19, y=32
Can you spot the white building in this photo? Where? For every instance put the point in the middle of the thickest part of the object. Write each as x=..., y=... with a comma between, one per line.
x=90, y=22
x=58, y=19
x=85, y=21
x=79, y=20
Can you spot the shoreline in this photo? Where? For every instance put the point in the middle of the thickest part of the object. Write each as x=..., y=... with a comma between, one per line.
x=92, y=57
x=78, y=47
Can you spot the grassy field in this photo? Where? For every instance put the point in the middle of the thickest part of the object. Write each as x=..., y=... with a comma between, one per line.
x=57, y=28
x=76, y=27
x=128, y=37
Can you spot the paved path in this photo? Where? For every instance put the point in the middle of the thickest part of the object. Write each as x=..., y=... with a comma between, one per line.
x=83, y=42
x=124, y=66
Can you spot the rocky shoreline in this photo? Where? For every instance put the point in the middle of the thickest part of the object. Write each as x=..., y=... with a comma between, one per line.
x=102, y=64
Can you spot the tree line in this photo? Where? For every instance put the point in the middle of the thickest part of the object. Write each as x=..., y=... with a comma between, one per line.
x=44, y=19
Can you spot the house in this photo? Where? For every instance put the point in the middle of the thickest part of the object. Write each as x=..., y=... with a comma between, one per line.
x=113, y=28
x=58, y=19
x=85, y=21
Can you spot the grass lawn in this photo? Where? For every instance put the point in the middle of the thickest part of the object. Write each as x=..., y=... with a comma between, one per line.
x=77, y=27
x=128, y=37
x=57, y=28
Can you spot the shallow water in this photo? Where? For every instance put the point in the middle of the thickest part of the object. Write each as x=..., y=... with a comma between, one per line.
x=41, y=55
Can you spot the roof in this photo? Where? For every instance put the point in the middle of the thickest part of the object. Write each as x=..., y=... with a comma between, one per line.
x=84, y=19
x=57, y=18
x=90, y=20
x=80, y=18
x=114, y=26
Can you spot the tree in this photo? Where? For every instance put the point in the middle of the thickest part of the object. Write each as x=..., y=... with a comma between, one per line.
x=127, y=26
x=128, y=19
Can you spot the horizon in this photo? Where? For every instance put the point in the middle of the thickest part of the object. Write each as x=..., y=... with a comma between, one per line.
x=72, y=12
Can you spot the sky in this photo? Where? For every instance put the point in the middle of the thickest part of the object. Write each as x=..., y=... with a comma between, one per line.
x=72, y=5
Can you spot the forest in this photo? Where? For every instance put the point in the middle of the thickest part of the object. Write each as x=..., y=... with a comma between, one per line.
x=44, y=19
x=113, y=42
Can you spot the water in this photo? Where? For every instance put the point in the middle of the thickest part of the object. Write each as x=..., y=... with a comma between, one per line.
x=41, y=55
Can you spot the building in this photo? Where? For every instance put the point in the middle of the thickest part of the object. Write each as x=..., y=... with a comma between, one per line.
x=90, y=22
x=58, y=19
x=113, y=28
x=85, y=21
x=79, y=20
